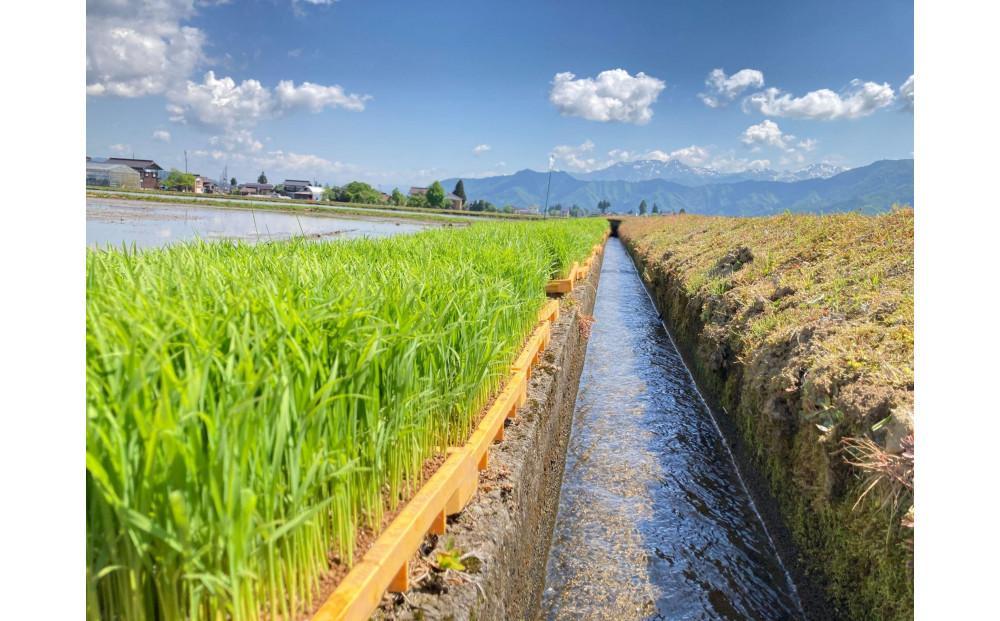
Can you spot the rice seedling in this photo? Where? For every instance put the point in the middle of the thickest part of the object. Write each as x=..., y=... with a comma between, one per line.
x=249, y=407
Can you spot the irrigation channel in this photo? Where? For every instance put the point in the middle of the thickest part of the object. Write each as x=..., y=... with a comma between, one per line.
x=654, y=520
x=146, y=224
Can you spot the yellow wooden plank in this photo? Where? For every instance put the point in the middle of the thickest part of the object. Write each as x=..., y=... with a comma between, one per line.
x=401, y=582
x=386, y=564
x=529, y=353
x=549, y=312
x=466, y=485
x=492, y=424
x=359, y=593
x=562, y=285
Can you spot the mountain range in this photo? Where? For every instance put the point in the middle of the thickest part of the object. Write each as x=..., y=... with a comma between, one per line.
x=674, y=186
x=678, y=172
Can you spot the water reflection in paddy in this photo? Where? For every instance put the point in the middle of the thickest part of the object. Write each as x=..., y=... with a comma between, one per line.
x=151, y=224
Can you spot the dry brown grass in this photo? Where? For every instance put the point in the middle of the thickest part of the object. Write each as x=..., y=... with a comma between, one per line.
x=849, y=272
x=802, y=326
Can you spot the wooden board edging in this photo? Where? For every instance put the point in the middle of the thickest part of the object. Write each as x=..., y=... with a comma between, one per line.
x=385, y=566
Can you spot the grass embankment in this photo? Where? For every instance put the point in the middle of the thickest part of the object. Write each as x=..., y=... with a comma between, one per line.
x=393, y=210
x=802, y=327
x=248, y=407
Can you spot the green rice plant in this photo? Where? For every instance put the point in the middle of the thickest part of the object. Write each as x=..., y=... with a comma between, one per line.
x=249, y=407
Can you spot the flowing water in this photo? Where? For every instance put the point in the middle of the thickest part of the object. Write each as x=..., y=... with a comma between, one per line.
x=654, y=519
x=151, y=224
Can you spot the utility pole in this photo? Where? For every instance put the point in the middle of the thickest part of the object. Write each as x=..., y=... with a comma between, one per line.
x=548, y=186
x=185, y=161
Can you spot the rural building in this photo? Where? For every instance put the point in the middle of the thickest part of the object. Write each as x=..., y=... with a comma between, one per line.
x=309, y=193
x=112, y=175
x=149, y=171
x=209, y=186
x=256, y=189
x=291, y=186
x=456, y=201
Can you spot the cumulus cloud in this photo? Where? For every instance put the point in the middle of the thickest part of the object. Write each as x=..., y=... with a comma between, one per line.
x=857, y=100
x=577, y=158
x=692, y=155
x=613, y=95
x=119, y=148
x=316, y=97
x=767, y=133
x=808, y=144
x=280, y=163
x=237, y=140
x=302, y=163
x=720, y=90
x=906, y=94
x=140, y=48
x=162, y=135
x=479, y=149
x=581, y=158
x=221, y=102
x=730, y=163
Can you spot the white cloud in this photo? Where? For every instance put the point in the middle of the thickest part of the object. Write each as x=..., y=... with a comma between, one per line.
x=906, y=94
x=613, y=95
x=119, y=148
x=221, y=102
x=766, y=133
x=301, y=164
x=162, y=135
x=316, y=97
x=858, y=100
x=237, y=140
x=578, y=158
x=721, y=89
x=692, y=156
x=295, y=53
x=808, y=144
x=140, y=48
x=729, y=163
x=581, y=159
x=479, y=149
x=278, y=163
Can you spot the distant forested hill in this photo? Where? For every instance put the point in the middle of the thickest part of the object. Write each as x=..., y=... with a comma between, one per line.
x=870, y=189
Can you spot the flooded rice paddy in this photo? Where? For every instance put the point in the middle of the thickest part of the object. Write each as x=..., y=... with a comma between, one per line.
x=147, y=225
x=654, y=520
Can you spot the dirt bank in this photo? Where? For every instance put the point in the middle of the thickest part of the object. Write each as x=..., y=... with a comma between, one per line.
x=800, y=329
x=501, y=539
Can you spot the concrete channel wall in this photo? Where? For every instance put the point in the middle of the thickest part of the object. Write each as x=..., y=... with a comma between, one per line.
x=503, y=535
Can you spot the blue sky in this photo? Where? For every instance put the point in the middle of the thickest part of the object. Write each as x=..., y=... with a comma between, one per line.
x=398, y=93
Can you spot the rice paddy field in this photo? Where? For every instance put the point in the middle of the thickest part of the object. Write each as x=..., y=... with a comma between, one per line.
x=250, y=407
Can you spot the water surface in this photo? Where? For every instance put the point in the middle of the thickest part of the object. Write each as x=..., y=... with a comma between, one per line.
x=154, y=224
x=654, y=521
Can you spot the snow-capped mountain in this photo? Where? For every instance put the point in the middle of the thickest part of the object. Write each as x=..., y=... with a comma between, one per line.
x=872, y=188
x=644, y=170
x=822, y=170
x=678, y=172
